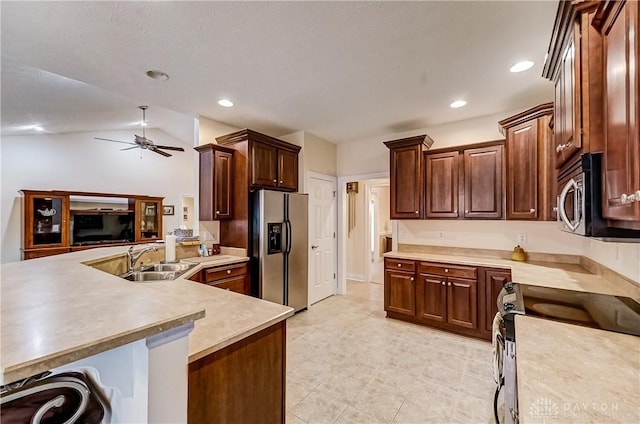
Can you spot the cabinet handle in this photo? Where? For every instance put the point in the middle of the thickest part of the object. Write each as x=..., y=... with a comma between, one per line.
x=532, y=210
x=555, y=209
x=466, y=211
x=228, y=271
x=411, y=278
x=217, y=212
x=446, y=270
x=626, y=199
x=399, y=265
x=281, y=181
x=443, y=283
x=275, y=181
x=561, y=147
x=417, y=211
x=449, y=284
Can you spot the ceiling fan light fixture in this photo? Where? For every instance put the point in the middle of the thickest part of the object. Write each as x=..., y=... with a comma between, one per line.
x=159, y=75
x=225, y=103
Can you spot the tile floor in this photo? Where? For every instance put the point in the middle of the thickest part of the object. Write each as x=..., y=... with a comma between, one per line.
x=347, y=363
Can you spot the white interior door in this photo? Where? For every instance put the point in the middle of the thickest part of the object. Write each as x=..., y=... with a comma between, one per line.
x=322, y=236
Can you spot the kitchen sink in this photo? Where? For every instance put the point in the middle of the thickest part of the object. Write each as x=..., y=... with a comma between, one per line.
x=158, y=272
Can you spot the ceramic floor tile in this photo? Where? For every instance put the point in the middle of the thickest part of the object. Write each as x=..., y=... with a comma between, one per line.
x=379, y=403
x=292, y=419
x=355, y=416
x=348, y=363
x=319, y=407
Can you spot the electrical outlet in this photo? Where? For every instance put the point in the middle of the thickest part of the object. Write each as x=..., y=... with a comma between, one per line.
x=441, y=234
x=522, y=238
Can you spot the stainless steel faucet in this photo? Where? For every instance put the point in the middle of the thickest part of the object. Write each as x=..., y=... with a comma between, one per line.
x=133, y=258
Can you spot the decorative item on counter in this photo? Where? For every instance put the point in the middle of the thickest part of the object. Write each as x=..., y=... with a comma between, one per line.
x=518, y=254
x=203, y=250
x=184, y=234
x=216, y=249
x=170, y=248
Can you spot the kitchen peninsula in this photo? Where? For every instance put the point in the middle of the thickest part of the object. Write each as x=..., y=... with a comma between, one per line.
x=57, y=310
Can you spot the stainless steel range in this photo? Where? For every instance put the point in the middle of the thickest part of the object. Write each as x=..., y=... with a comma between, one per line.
x=599, y=311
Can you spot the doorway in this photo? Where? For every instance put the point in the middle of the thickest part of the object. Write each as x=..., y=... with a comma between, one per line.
x=378, y=229
x=322, y=236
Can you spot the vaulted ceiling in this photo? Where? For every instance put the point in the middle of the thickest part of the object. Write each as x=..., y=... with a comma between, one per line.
x=343, y=71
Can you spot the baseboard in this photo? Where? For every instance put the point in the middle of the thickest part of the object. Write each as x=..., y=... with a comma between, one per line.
x=355, y=277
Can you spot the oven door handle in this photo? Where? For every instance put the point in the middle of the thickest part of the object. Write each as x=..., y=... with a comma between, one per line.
x=572, y=184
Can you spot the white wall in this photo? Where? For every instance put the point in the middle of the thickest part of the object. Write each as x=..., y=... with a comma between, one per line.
x=209, y=129
x=623, y=258
x=77, y=162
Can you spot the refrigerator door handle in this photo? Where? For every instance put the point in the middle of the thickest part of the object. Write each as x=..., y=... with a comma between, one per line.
x=288, y=239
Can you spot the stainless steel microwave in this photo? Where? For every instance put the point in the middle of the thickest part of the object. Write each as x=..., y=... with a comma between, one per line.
x=580, y=202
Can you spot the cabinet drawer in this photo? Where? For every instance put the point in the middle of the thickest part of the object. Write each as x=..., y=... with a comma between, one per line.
x=215, y=274
x=235, y=284
x=449, y=270
x=400, y=264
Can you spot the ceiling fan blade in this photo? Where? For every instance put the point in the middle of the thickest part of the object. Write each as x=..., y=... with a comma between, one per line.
x=130, y=148
x=153, y=149
x=178, y=149
x=115, y=141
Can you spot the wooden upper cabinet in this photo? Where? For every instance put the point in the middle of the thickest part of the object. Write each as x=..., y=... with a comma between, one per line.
x=46, y=220
x=574, y=64
x=465, y=182
x=619, y=25
x=216, y=174
x=264, y=168
x=483, y=182
x=531, y=177
x=287, y=169
x=407, y=176
x=442, y=185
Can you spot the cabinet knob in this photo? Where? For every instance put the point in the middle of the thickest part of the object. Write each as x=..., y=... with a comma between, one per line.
x=228, y=271
x=281, y=181
x=456, y=211
x=532, y=210
x=443, y=283
x=411, y=278
x=275, y=181
x=449, y=284
x=446, y=270
x=417, y=211
x=399, y=265
x=466, y=211
x=217, y=212
x=555, y=209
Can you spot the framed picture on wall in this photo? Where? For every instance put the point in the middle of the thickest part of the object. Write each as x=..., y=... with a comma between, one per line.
x=168, y=210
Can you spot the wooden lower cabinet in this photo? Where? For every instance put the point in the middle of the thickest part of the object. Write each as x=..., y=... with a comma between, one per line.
x=40, y=253
x=399, y=292
x=456, y=298
x=242, y=383
x=233, y=277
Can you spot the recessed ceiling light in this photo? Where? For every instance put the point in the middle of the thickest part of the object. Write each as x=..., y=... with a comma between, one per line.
x=225, y=103
x=521, y=66
x=159, y=75
x=458, y=103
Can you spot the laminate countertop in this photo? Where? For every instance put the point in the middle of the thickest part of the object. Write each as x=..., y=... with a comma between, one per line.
x=573, y=374
x=548, y=274
x=56, y=310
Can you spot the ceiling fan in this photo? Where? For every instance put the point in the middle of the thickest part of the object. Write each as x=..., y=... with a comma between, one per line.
x=143, y=142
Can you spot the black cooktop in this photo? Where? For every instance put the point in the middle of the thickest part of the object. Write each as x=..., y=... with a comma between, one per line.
x=602, y=311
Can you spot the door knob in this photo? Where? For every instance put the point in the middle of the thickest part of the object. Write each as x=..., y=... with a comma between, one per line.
x=313, y=246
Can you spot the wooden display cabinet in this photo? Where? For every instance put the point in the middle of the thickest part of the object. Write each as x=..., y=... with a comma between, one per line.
x=148, y=219
x=46, y=224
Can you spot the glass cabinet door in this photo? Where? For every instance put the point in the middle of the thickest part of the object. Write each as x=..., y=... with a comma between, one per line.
x=150, y=213
x=47, y=220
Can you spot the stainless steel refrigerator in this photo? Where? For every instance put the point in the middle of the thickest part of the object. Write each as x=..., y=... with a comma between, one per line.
x=280, y=247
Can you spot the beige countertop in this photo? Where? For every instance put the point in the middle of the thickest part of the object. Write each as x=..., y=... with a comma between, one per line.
x=56, y=310
x=574, y=374
x=549, y=274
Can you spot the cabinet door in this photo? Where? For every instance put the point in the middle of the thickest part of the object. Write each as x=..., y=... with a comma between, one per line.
x=522, y=171
x=406, y=182
x=431, y=298
x=149, y=214
x=206, y=187
x=621, y=158
x=222, y=180
x=399, y=293
x=462, y=301
x=494, y=280
x=442, y=185
x=264, y=165
x=235, y=284
x=568, y=139
x=46, y=221
x=287, y=170
x=483, y=182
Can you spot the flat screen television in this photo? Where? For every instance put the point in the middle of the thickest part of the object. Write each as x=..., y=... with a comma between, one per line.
x=102, y=228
